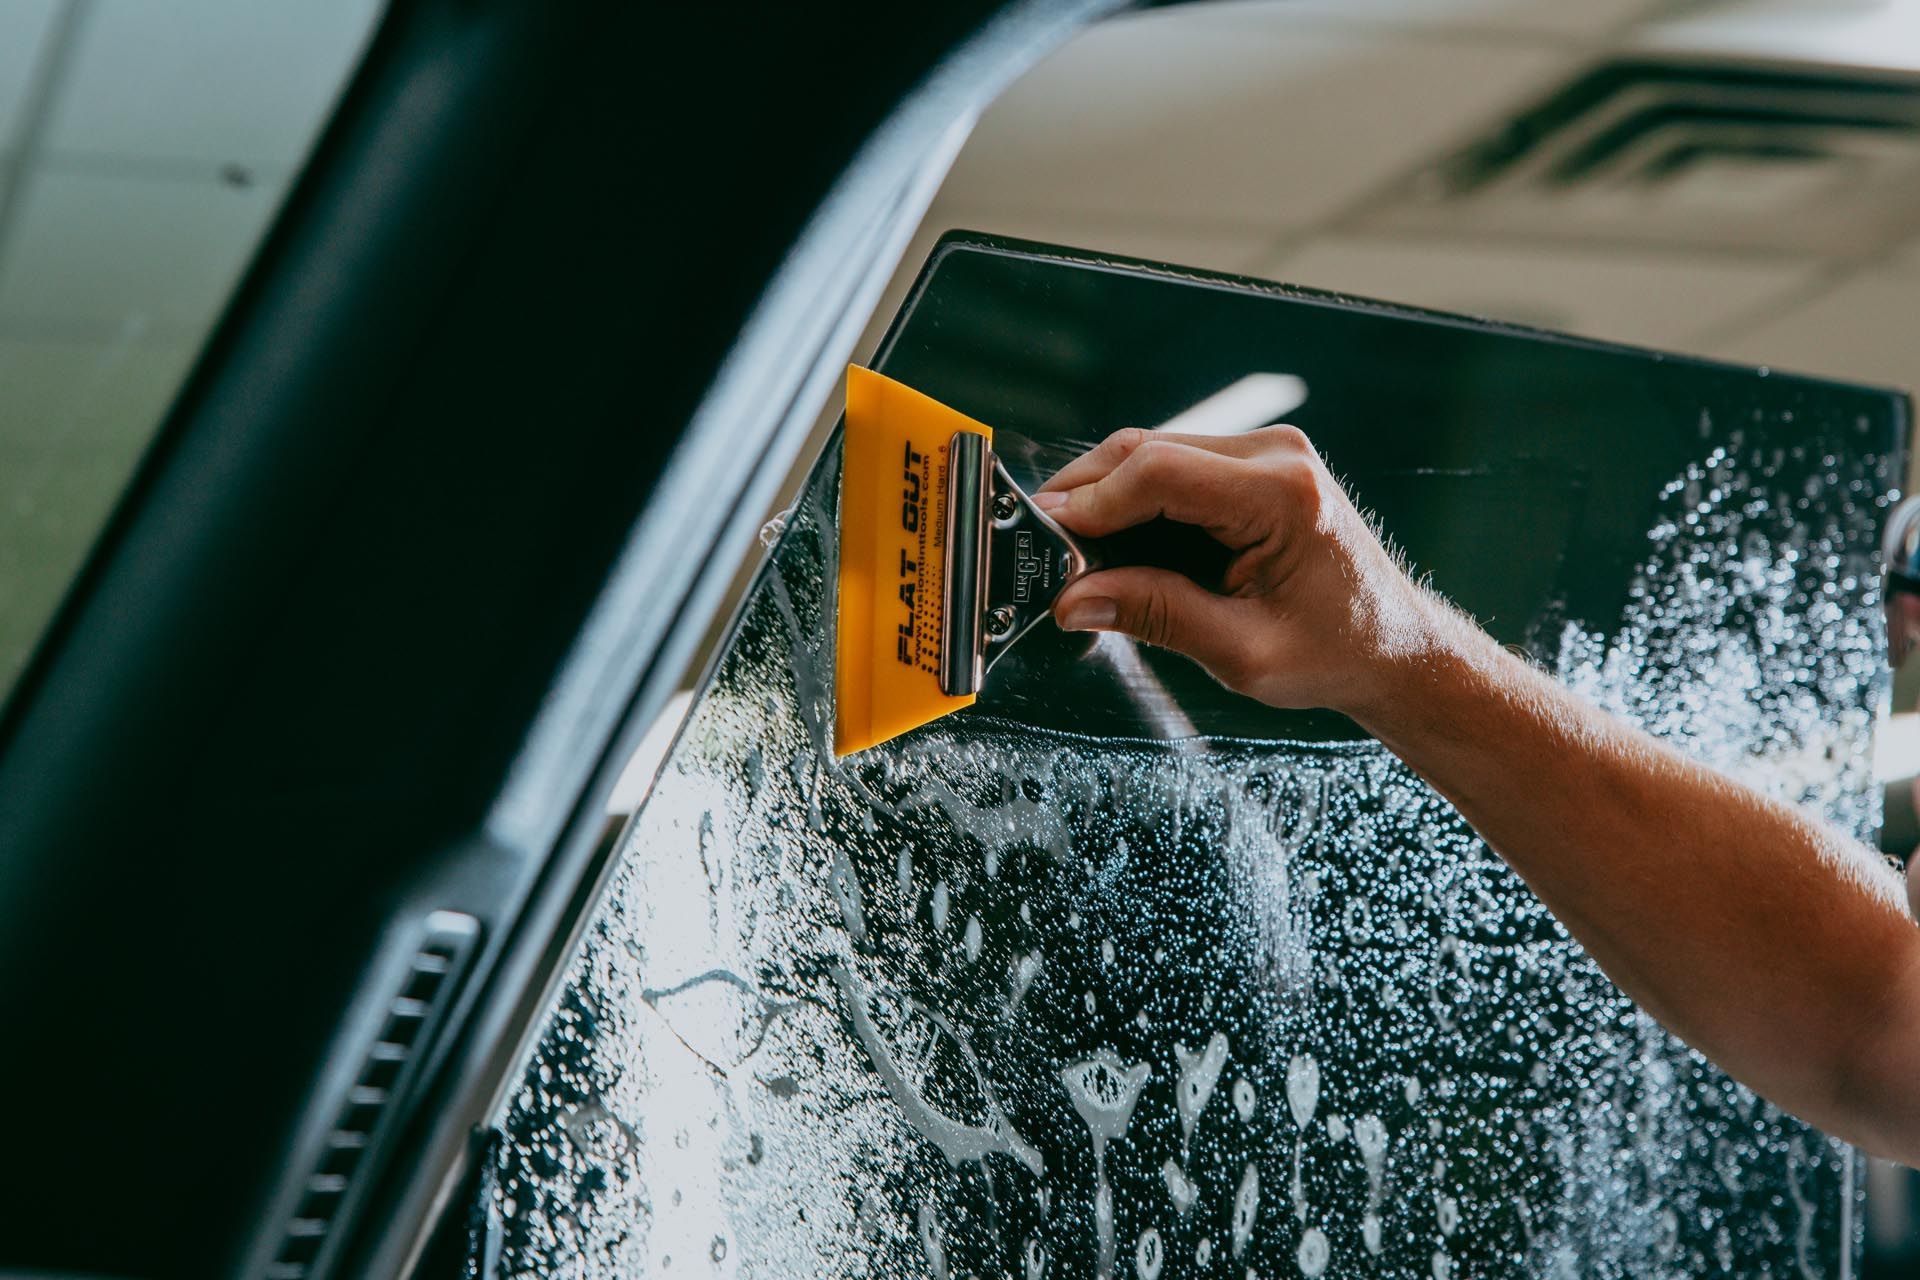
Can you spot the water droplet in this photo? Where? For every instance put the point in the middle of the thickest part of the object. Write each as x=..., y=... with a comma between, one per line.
x=1199, y=1073
x=1179, y=1187
x=770, y=531
x=1303, y=1088
x=930, y=1242
x=1149, y=1255
x=846, y=891
x=1025, y=970
x=1246, y=1207
x=1315, y=1251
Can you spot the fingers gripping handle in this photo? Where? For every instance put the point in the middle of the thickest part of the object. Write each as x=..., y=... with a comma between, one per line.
x=1161, y=543
x=1008, y=561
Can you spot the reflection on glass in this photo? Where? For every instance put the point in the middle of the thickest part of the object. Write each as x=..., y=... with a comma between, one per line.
x=997, y=1000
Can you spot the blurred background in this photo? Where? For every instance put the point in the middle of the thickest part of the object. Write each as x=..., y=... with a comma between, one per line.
x=144, y=149
x=1731, y=178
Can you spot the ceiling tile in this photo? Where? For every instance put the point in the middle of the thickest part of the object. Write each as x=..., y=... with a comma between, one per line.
x=213, y=81
x=1211, y=247
x=1881, y=33
x=24, y=25
x=78, y=417
x=1161, y=118
x=1652, y=300
x=1866, y=329
x=79, y=396
x=111, y=255
x=1539, y=17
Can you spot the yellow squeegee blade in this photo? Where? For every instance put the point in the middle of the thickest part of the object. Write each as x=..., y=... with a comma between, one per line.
x=893, y=534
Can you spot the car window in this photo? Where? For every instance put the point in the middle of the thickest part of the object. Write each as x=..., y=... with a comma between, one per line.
x=1117, y=974
x=143, y=150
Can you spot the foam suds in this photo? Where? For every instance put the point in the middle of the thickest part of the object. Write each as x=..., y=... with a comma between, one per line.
x=1371, y=1137
x=767, y=1052
x=1103, y=1090
x=957, y=1141
x=1314, y=1252
x=931, y=1244
x=1025, y=970
x=1246, y=1207
x=1303, y=1096
x=1149, y=1255
x=1180, y=1188
x=1199, y=1073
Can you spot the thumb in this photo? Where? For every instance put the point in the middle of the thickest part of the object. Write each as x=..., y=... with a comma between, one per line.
x=1157, y=606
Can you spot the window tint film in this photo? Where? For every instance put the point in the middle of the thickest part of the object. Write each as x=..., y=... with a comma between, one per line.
x=1117, y=975
x=143, y=150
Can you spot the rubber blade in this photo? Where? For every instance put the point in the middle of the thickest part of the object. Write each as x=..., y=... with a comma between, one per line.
x=893, y=543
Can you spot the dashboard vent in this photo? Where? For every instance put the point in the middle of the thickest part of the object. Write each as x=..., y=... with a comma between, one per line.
x=1661, y=153
x=412, y=1010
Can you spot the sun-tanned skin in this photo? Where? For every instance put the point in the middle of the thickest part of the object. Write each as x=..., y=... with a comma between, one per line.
x=1777, y=946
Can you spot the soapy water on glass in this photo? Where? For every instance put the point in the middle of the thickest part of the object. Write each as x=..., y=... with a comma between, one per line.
x=833, y=1018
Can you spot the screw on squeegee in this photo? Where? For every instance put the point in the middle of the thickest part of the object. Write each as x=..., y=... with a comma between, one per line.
x=1005, y=506
x=999, y=620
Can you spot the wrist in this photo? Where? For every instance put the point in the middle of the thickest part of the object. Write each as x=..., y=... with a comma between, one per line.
x=1427, y=657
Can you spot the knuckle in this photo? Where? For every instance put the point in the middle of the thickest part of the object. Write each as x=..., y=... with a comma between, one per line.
x=1294, y=438
x=1151, y=458
x=1300, y=486
x=1123, y=442
x=1286, y=438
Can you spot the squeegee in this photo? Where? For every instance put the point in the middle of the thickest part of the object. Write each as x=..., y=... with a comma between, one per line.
x=944, y=562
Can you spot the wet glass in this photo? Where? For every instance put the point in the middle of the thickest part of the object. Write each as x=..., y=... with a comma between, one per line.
x=1116, y=974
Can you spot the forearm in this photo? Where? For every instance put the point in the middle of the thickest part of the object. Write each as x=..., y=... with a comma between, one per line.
x=1778, y=947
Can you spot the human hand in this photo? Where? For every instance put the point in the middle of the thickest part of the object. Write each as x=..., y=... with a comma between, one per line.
x=1313, y=610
